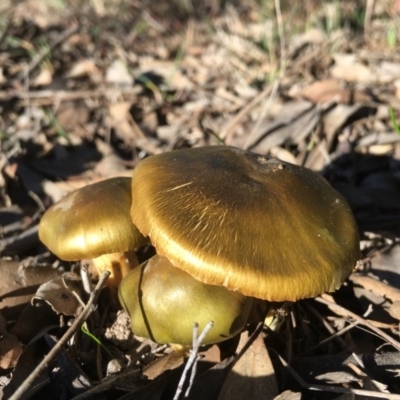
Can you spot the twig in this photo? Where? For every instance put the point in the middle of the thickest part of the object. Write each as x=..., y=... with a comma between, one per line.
x=334, y=389
x=89, y=308
x=369, y=11
x=39, y=58
x=334, y=334
x=87, y=285
x=276, y=85
x=50, y=96
x=282, y=43
x=271, y=97
x=361, y=321
x=229, y=130
x=197, y=341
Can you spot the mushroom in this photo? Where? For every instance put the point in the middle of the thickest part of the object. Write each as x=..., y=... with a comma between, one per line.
x=164, y=302
x=93, y=222
x=253, y=224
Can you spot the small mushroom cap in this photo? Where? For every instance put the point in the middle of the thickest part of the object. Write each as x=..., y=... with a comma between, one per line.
x=91, y=221
x=164, y=302
x=269, y=229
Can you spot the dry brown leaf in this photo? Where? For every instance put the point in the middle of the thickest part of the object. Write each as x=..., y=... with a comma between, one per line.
x=85, y=67
x=167, y=70
x=117, y=74
x=168, y=362
x=394, y=310
x=44, y=78
x=57, y=190
x=367, y=382
x=388, y=71
x=58, y=293
x=111, y=163
x=313, y=36
x=252, y=376
x=347, y=67
x=212, y=354
x=396, y=85
x=43, y=14
x=17, y=281
x=386, y=265
x=341, y=115
x=328, y=90
x=378, y=287
x=123, y=123
x=9, y=282
x=71, y=115
x=289, y=395
x=296, y=120
x=282, y=154
x=10, y=348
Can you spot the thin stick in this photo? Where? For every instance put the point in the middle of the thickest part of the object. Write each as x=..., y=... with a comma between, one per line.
x=197, y=341
x=51, y=96
x=334, y=335
x=43, y=54
x=347, y=313
x=229, y=130
x=334, y=389
x=276, y=85
x=89, y=308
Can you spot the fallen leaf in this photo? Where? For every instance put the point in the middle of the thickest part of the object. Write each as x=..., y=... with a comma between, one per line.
x=342, y=115
x=58, y=293
x=388, y=71
x=44, y=78
x=72, y=115
x=394, y=310
x=347, y=67
x=122, y=121
x=85, y=67
x=295, y=121
x=168, y=362
x=10, y=348
x=289, y=395
x=18, y=283
x=252, y=376
x=34, y=321
x=376, y=286
x=117, y=74
x=328, y=90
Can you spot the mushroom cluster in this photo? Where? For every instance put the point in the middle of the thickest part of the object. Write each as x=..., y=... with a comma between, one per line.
x=229, y=225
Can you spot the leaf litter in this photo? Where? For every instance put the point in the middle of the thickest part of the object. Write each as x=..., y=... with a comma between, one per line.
x=87, y=89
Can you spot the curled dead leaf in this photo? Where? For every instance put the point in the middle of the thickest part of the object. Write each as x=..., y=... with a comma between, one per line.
x=58, y=293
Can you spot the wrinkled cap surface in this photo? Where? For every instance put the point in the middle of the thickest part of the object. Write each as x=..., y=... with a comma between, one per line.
x=164, y=302
x=263, y=227
x=91, y=221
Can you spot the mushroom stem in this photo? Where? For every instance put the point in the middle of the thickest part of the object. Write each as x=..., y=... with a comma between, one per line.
x=118, y=264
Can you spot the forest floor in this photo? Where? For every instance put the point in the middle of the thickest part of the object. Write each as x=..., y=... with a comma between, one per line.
x=89, y=88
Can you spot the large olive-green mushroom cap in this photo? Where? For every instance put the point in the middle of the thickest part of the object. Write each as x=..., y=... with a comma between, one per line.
x=91, y=221
x=164, y=302
x=266, y=228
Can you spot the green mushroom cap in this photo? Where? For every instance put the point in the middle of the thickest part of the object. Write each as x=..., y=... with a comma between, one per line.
x=164, y=302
